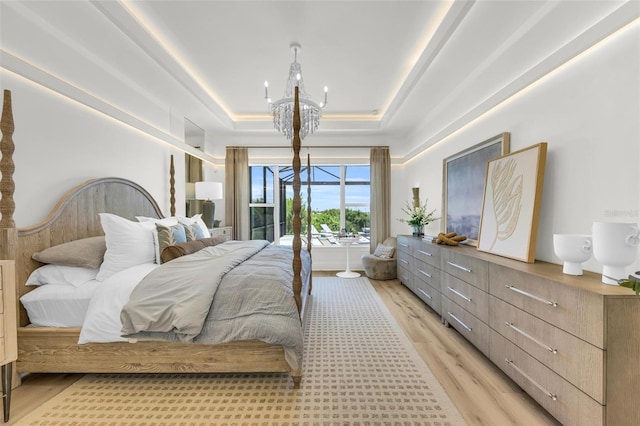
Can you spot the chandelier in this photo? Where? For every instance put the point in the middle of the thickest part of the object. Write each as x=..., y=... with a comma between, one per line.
x=282, y=110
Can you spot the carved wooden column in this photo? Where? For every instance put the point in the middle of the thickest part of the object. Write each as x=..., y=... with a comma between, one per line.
x=8, y=232
x=297, y=242
x=172, y=188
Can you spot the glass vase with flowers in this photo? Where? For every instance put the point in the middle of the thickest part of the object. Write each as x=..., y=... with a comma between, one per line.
x=418, y=217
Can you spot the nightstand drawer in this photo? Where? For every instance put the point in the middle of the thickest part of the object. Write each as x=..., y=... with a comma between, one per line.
x=223, y=231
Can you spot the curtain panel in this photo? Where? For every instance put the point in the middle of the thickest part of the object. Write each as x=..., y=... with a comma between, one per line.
x=236, y=173
x=380, y=195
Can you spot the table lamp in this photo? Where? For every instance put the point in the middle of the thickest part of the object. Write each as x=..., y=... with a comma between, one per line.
x=208, y=191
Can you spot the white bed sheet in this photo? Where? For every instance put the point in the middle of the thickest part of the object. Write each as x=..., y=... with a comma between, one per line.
x=102, y=321
x=59, y=305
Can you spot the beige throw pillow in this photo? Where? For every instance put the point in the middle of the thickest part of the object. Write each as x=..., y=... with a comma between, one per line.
x=86, y=252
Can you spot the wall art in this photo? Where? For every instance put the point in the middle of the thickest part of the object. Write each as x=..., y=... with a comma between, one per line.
x=463, y=186
x=511, y=205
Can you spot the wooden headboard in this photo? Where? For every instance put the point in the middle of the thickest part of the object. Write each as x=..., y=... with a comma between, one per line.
x=76, y=216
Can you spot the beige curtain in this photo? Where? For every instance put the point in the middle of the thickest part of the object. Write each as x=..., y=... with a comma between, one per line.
x=236, y=173
x=380, y=195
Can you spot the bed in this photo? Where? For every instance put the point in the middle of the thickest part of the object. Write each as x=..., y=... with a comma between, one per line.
x=76, y=217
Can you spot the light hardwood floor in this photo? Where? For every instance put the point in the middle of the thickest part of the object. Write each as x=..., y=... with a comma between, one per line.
x=482, y=393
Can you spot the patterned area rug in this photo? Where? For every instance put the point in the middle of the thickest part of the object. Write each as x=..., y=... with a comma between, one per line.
x=359, y=369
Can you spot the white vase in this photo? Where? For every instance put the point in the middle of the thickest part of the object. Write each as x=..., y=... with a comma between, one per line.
x=572, y=249
x=615, y=245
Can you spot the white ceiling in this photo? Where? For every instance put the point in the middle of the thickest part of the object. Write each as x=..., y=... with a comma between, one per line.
x=400, y=73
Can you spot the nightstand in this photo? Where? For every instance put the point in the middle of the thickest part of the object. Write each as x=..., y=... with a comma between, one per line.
x=8, y=330
x=224, y=231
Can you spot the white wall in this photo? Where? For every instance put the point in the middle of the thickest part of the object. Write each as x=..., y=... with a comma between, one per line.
x=60, y=143
x=589, y=113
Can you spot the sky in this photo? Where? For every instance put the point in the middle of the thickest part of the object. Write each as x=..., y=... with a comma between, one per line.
x=322, y=196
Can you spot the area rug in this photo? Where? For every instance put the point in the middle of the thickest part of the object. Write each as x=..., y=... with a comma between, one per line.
x=359, y=369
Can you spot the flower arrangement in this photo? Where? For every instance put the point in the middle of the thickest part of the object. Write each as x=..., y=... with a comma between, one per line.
x=418, y=216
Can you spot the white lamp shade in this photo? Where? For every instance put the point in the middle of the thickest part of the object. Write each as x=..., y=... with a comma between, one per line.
x=208, y=190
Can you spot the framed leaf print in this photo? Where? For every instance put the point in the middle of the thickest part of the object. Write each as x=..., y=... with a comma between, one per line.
x=511, y=203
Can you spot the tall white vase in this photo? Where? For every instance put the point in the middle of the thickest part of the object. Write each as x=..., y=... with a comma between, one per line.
x=615, y=245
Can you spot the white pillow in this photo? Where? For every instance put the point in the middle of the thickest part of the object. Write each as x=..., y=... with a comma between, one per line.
x=167, y=221
x=128, y=244
x=62, y=274
x=59, y=305
x=198, y=220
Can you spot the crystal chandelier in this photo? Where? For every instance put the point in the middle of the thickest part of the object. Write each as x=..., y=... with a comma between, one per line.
x=282, y=110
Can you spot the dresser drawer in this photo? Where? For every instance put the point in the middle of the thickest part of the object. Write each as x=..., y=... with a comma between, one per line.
x=579, y=362
x=405, y=276
x=427, y=273
x=559, y=397
x=577, y=311
x=405, y=260
x=429, y=295
x=428, y=253
x=467, y=268
x=470, y=327
x=403, y=244
x=467, y=296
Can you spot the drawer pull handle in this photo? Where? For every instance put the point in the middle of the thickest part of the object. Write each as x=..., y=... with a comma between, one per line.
x=459, y=321
x=533, y=339
x=533, y=296
x=425, y=294
x=425, y=253
x=453, y=290
x=455, y=265
x=404, y=261
x=553, y=396
x=425, y=273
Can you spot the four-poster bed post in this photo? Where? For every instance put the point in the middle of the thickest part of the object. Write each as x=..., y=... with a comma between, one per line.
x=297, y=243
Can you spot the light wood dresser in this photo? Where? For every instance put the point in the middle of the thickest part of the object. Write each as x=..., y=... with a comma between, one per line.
x=571, y=342
x=8, y=328
x=419, y=269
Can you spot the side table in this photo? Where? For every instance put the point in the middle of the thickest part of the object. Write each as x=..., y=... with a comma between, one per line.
x=348, y=273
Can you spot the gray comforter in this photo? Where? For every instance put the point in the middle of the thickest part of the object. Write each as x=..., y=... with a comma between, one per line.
x=238, y=290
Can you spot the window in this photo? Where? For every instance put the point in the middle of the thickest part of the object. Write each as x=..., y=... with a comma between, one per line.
x=262, y=207
x=339, y=201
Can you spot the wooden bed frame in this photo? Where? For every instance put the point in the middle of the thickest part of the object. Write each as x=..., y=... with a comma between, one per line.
x=55, y=350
